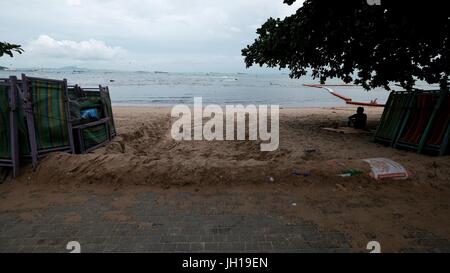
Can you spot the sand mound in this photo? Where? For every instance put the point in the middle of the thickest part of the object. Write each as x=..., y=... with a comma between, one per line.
x=304, y=170
x=145, y=154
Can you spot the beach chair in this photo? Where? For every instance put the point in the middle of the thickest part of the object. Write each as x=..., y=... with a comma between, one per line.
x=89, y=135
x=46, y=108
x=102, y=97
x=418, y=120
x=394, y=113
x=437, y=136
x=9, y=134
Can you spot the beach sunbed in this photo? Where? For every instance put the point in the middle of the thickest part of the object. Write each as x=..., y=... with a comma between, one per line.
x=102, y=100
x=397, y=107
x=9, y=134
x=416, y=120
x=438, y=134
x=46, y=108
x=90, y=135
x=39, y=116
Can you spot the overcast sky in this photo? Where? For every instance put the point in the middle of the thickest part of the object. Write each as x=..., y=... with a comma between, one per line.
x=165, y=35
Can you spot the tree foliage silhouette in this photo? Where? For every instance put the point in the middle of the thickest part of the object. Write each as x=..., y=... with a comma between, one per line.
x=9, y=49
x=371, y=45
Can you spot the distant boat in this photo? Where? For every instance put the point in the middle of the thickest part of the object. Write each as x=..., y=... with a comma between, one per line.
x=161, y=72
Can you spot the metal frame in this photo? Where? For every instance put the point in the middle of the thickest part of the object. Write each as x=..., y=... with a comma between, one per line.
x=400, y=144
x=77, y=89
x=103, y=89
x=14, y=133
x=431, y=123
x=445, y=146
x=28, y=108
x=20, y=91
x=106, y=90
x=383, y=116
x=397, y=143
x=422, y=146
x=79, y=131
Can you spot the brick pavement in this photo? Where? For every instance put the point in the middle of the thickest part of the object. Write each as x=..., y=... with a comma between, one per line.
x=152, y=226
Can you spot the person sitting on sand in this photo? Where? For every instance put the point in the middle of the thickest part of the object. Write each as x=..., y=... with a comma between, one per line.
x=359, y=120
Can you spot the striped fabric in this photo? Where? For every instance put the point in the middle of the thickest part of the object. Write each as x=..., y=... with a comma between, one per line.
x=24, y=141
x=98, y=100
x=396, y=107
x=443, y=118
x=5, y=137
x=419, y=118
x=94, y=136
x=50, y=114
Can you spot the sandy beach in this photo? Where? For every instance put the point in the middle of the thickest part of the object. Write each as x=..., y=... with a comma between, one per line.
x=145, y=157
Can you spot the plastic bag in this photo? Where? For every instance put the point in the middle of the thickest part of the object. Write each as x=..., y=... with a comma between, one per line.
x=384, y=168
x=90, y=114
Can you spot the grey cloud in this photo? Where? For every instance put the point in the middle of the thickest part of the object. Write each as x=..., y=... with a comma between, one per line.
x=145, y=30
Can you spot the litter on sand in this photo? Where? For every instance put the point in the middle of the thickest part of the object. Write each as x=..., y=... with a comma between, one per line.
x=384, y=168
x=299, y=173
x=350, y=173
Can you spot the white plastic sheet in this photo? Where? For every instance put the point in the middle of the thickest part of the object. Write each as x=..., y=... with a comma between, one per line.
x=384, y=168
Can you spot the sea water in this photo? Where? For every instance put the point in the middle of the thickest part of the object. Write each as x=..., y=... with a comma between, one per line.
x=168, y=89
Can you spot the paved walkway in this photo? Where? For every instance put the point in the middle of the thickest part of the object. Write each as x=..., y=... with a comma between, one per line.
x=149, y=225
